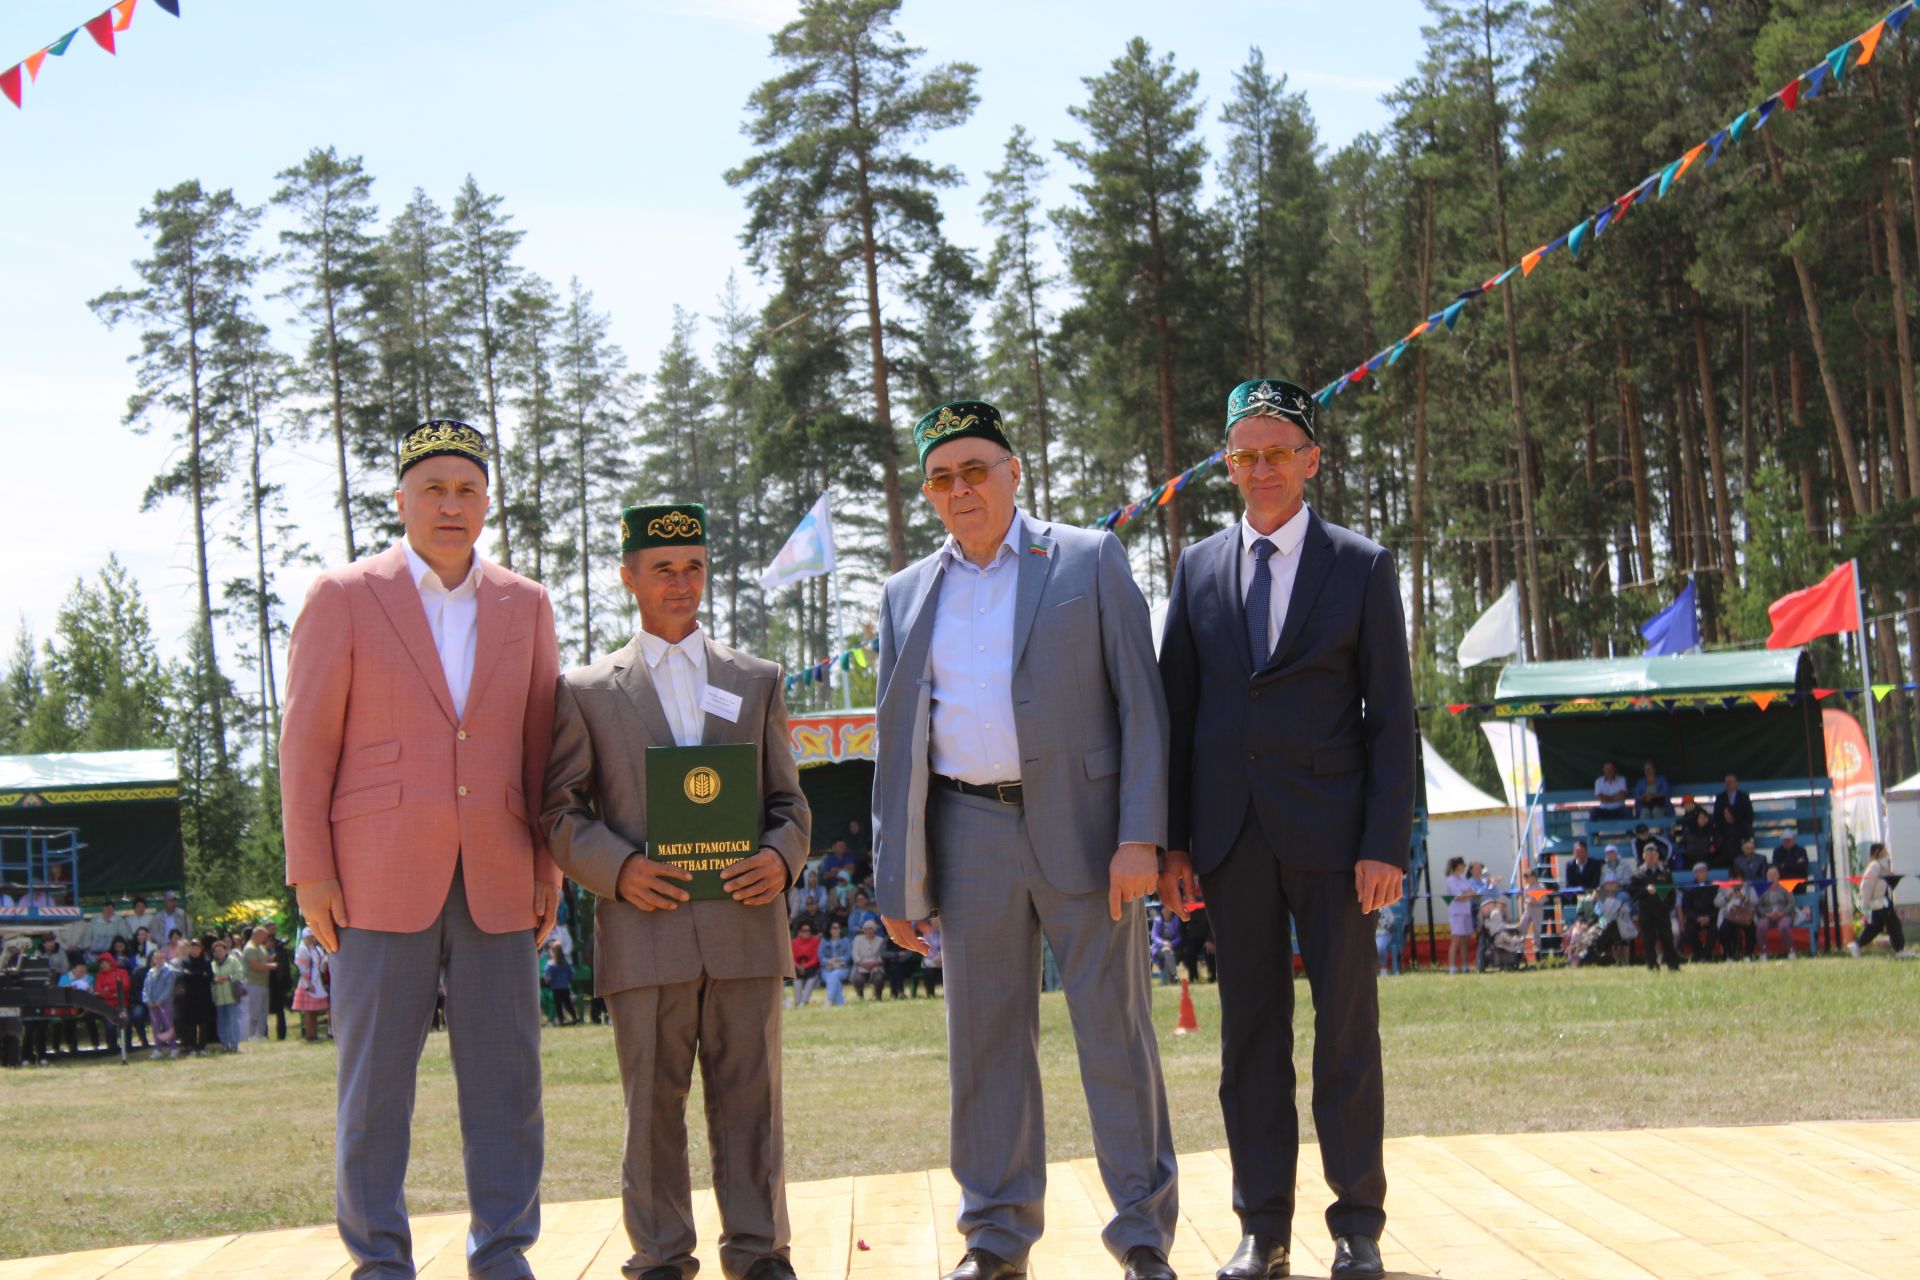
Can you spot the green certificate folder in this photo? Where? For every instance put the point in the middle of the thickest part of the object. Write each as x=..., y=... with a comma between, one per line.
x=703, y=810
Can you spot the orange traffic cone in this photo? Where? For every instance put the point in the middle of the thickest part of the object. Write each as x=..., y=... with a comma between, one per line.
x=1187, y=1021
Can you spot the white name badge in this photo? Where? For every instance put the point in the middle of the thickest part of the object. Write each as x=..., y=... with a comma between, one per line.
x=721, y=703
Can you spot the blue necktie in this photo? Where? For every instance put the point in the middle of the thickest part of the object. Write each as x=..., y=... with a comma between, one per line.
x=1259, y=598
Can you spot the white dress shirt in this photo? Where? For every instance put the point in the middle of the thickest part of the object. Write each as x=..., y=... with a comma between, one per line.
x=1283, y=566
x=680, y=678
x=452, y=616
x=973, y=737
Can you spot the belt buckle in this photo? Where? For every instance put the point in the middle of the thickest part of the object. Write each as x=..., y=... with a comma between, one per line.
x=1000, y=792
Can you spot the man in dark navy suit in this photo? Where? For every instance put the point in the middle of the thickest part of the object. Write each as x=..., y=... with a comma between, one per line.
x=1291, y=784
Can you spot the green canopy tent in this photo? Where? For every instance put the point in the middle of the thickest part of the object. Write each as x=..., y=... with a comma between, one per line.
x=1697, y=716
x=124, y=807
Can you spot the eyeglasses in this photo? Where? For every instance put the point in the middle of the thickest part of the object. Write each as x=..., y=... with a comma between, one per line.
x=975, y=474
x=1280, y=455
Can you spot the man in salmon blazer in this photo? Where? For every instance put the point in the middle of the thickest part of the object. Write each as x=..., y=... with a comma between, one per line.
x=413, y=749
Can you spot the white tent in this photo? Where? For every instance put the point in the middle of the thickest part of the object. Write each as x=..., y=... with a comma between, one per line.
x=1449, y=794
x=1903, y=837
x=1464, y=821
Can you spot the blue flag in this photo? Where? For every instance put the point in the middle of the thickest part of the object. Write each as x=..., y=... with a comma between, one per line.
x=1676, y=628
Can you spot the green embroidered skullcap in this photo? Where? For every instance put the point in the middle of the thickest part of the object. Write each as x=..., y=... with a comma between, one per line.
x=442, y=436
x=663, y=524
x=1272, y=398
x=956, y=420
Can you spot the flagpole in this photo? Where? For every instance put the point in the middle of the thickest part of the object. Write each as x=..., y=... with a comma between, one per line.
x=839, y=621
x=1866, y=679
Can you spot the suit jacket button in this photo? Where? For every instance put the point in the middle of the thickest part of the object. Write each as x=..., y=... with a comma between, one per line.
x=463, y=790
x=462, y=735
x=1254, y=694
x=1252, y=755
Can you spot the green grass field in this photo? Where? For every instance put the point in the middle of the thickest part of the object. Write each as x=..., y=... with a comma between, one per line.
x=104, y=1154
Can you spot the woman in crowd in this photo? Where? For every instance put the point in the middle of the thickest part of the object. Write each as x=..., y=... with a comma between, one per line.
x=1776, y=916
x=1163, y=945
x=1462, y=894
x=1652, y=794
x=861, y=912
x=193, y=1010
x=1699, y=839
x=229, y=990
x=1876, y=904
x=806, y=964
x=836, y=963
x=869, y=958
x=310, y=992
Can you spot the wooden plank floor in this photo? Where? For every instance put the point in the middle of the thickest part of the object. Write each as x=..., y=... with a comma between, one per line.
x=1839, y=1201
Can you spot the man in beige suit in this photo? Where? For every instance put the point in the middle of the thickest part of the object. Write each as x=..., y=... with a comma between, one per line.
x=681, y=978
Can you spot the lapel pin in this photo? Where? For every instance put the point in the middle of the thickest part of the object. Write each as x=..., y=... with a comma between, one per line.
x=1041, y=551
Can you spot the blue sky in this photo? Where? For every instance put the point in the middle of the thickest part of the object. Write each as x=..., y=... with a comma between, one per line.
x=606, y=125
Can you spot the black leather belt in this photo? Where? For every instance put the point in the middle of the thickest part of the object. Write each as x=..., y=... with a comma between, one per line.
x=1004, y=792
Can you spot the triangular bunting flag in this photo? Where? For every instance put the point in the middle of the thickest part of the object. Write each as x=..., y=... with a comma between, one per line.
x=171, y=6
x=1791, y=886
x=1790, y=95
x=1820, y=695
x=1419, y=329
x=1766, y=110
x=1686, y=161
x=1717, y=141
x=1739, y=123
x=33, y=64
x=1814, y=79
x=123, y=14
x=860, y=656
x=59, y=47
x=10, y=85
x=1577, y=237
x=1398, y=347
x=1455, y=707
x=1869, y=41
x=1666, y=178
x=1880, y=691
x=1379, y=359
x=1850, y=694
x=1760, y=700
x=1837, y=61
x=1606, y=217
x=1898, y=18
x=1528, y=263
x=1452, y=314
x=101, y=29
x=1359, y=372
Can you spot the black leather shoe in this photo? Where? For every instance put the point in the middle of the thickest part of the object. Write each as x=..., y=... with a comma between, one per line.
x=1257, y=1258
x=1356, y=1258
x=660, y=1273
x=1143, y=1262
x=984, y=1264
x=771, y=1268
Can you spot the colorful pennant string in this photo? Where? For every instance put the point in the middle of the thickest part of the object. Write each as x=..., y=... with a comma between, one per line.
x=101, y=27
x=1802, y=88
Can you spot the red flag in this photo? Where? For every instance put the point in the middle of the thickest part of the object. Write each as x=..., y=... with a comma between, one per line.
x=1790, y=96
x=10, y=83
x=101, y=29
x=1823, y=610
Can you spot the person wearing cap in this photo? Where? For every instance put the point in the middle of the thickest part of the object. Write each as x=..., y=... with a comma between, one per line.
x=1789, y=857
x=413, y=747
x=683, y=979
x=1020, y=790
x=1292, y=786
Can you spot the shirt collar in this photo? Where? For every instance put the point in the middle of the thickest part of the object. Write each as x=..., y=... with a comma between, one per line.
x=1286, y=539
x=950, y=551
x=421, y=572
x=654, y=649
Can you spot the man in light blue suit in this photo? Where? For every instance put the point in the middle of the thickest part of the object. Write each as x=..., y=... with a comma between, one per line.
x=1020, y=790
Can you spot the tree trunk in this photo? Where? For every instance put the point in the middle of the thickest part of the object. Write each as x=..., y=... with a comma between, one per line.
x=1636, y=452
x=1903, y=338
x=1810, y=515
x=1039, y=381
x=493, y=415
x=885, y=449
x=1716, y=448
x=1163, y=370
x=197, y=480
x=339, y=415
x=1829, y=377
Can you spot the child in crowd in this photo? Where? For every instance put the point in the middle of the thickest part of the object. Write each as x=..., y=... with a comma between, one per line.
x=111, y=984
x=158, y=995
x=193, y=1010
x=310, y=992
x=559, y=980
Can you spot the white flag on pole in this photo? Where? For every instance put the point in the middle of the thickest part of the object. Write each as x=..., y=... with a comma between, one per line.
x=1497, y=633
x=808, y=551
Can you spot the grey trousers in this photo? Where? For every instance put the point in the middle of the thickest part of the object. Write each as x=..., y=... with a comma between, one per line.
x=384, y=989
x=732, y=1026
x=995, y=905
x=257, y=1010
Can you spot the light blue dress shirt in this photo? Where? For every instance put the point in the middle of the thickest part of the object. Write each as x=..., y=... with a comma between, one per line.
x=973, y=737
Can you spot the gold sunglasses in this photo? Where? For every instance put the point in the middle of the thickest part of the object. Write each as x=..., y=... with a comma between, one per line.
x=975, y=474
x=1280, y=455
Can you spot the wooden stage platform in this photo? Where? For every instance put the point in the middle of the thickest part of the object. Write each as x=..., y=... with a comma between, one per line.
x=1833, y=1201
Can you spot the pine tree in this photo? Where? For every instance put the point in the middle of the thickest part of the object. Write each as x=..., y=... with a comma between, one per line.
x=1018, y=322
x=191, y=288
x=330, y=259
x=593, y=390
x=102, y=687
x=832, y=171
x=484, y=275
x=530, y=322
x=21, y=690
